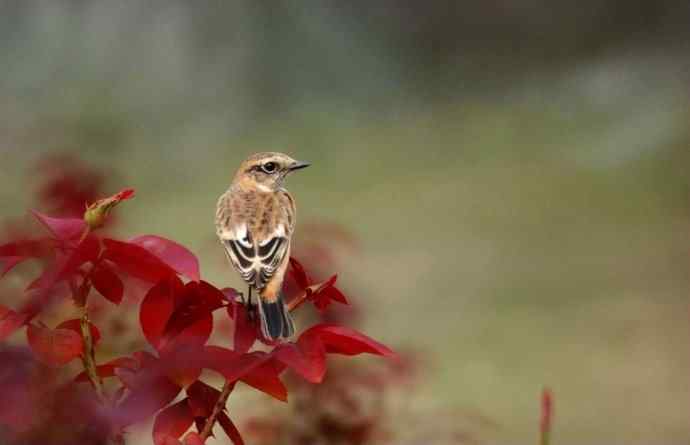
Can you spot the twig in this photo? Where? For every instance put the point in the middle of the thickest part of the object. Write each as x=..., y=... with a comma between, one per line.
x=297, y=302
x=217, y=409
x=84, y=234
x=88, y=357
x=228, y=386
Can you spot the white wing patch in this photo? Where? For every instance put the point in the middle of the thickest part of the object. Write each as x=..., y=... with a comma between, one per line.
x=278, y=233
x=256, y=262
x=241, y=235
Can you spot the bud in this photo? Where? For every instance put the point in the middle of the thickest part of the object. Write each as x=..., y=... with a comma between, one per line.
x=96, y=214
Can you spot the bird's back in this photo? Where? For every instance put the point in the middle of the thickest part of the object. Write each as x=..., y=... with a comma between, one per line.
x=263, y=214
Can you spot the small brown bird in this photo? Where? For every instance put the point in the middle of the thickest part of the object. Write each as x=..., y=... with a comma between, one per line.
x=255, y=219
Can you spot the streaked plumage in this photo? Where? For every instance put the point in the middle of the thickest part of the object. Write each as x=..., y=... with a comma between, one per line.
x=255, y=219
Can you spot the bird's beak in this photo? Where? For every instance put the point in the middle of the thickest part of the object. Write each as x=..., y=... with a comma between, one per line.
x=298, y=165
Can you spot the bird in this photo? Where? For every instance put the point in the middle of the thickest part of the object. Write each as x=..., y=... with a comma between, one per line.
x=255, y=220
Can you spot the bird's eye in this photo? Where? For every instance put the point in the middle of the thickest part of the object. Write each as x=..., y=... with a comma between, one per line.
x=269, y=167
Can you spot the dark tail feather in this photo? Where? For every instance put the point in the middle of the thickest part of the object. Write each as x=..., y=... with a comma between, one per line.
x=275, y=319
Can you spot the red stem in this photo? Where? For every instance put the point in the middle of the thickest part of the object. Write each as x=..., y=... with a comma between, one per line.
x=217, y=409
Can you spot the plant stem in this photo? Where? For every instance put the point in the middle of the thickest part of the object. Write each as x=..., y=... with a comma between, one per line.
x=88, y=358
x=84, y=234
x=217, y=409
x=297, y=302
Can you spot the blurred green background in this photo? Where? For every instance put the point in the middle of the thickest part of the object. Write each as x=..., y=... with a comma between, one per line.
x=516, y=174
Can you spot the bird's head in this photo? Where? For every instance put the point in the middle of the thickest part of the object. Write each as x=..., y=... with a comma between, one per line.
x=266, y=171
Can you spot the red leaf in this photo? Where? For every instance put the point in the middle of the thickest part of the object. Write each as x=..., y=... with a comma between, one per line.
x=230, y=364
x=299, y=274
x=341, y=340
x=231, y=295
x=67, y=266
x=8, y=263
x=318, y=287
x=107, y=283
x=144, y=358
x=266, y=378
x=136, y=261
x=191, y=323
x=171, y=253
x=246, y=331
x=54, y=347
x=322, y=294
x=334, y=294
x=166, y=440
x=147, y=397
x=108, y=369
x=230, y=429
x=182, y=365
x=26, y=248
x=173, y=315
x=10, y=321
x=157, y=308
x=15, y=252
x=86, y=251
x=62, y=228
x=173, y=421
x=75, y=325
x=193, y=439
x=184, y=335
x=202, y=398
x=212, y=297
x=150, y=388
x=143, y=366
x=307, y=358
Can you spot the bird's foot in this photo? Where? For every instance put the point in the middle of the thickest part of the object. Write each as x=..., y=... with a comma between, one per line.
x=252, y=312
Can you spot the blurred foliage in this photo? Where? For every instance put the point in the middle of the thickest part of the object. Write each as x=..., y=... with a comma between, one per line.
x=515, y=173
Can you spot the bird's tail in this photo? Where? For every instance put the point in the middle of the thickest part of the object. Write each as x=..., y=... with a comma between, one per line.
x=275, y=319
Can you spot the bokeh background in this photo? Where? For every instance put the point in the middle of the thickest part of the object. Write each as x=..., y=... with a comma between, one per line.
x=514, y=173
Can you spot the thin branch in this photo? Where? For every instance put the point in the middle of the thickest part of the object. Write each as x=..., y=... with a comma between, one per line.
x=84, y=234
x=228, y=386
x=88, y=357
x=217, y=409
x=297, y=301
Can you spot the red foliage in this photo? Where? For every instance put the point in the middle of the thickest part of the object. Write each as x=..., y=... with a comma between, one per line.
x=175, y=315
x=107, y=282
x=62, y=228
x=175, y=255
x=54, y=346
x=321, y=294
x=348, y=407
x=244, y=335
x=176, y=318
x=173, y=421
x=10, y=321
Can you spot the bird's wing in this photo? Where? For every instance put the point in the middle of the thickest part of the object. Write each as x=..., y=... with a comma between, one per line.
x=255, y=259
